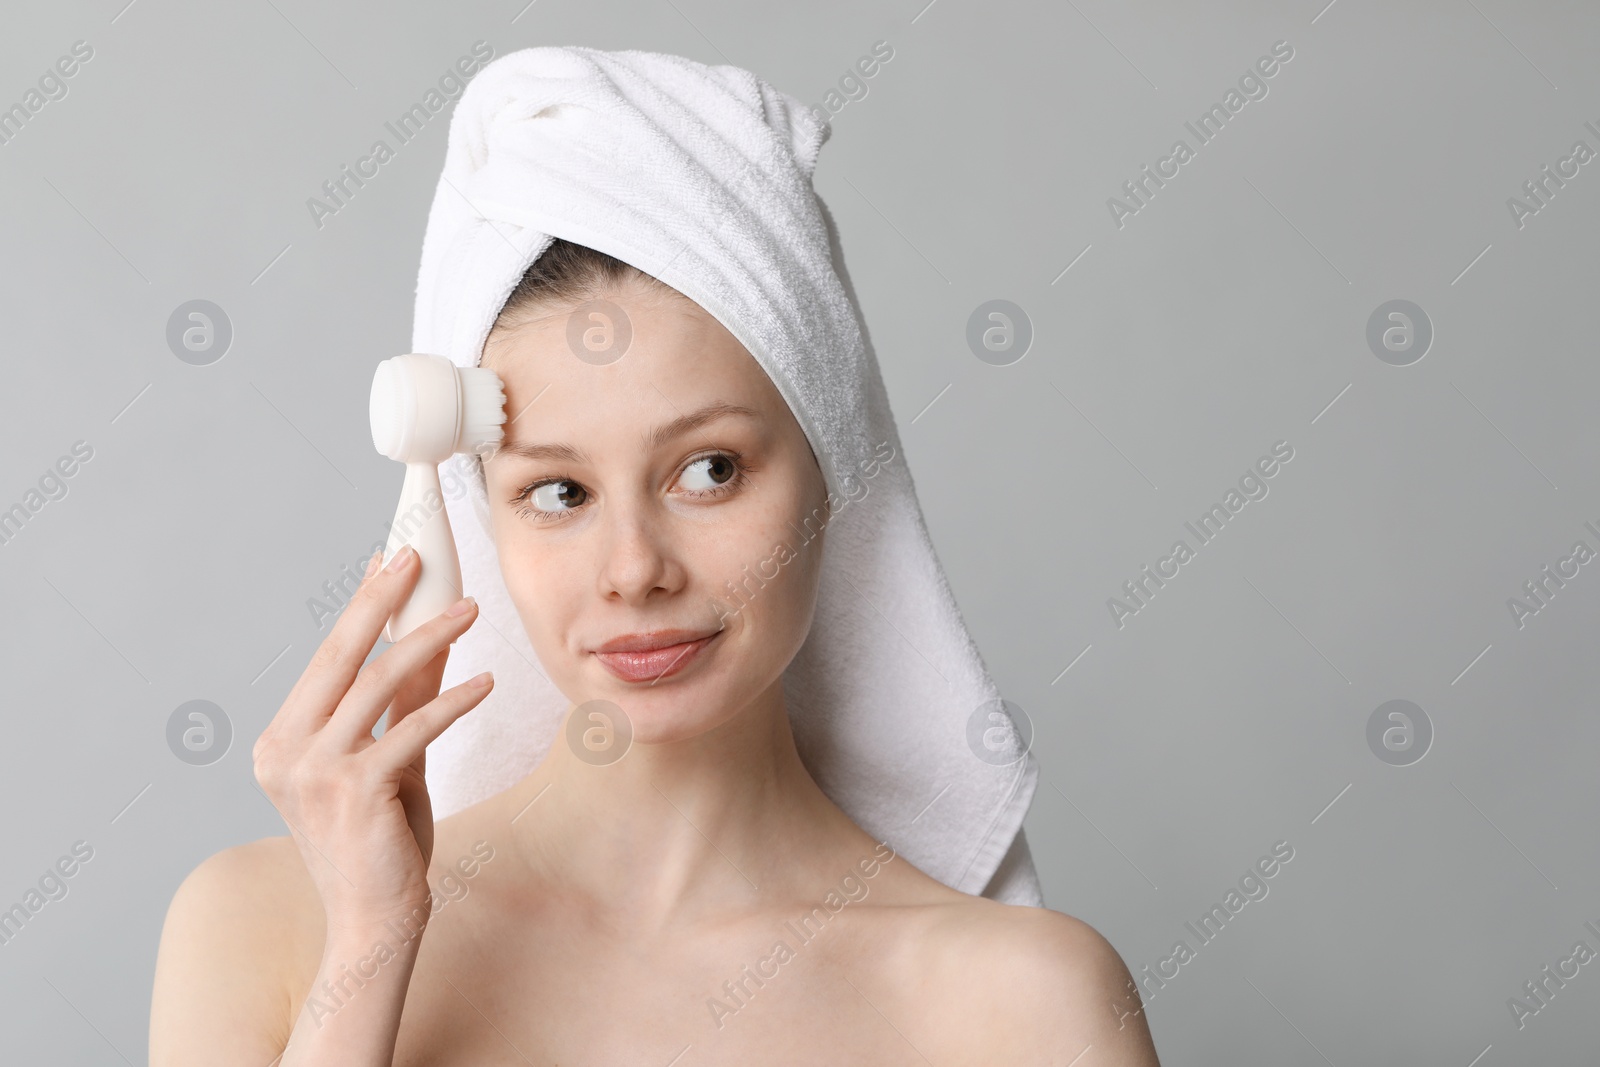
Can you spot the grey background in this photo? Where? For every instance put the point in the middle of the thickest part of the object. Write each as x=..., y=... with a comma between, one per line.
x=1229, y=313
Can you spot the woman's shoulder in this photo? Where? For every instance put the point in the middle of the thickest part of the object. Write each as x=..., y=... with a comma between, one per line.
x=1024, y=944
x=238, y=927
x=1050, y=984
x=259, y=885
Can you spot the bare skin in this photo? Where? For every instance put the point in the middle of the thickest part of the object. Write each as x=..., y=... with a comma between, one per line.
x=630, y=911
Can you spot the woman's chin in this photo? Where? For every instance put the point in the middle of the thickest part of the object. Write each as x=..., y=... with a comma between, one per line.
x=666, y=722
x=658, y=714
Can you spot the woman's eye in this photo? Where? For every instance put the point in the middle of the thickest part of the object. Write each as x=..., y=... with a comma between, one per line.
x=709, y=472
x=705, y=478
x=557, y=496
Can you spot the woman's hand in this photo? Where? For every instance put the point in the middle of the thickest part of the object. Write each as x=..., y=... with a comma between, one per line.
x=356, y=805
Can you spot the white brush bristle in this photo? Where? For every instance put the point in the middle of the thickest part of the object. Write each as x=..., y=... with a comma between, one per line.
x=483, y=410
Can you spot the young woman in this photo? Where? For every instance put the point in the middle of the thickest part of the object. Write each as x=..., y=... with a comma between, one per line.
x=702, y=899
x=608, y=913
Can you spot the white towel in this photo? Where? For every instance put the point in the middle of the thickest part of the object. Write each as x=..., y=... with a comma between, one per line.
x=702, y=177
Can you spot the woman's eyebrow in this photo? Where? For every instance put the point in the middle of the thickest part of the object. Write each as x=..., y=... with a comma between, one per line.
x=650, y=441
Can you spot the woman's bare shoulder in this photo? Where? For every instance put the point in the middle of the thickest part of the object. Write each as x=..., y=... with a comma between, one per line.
x=1044, y=984
x=1049, y=985
x=238, y=928
x=260, y=885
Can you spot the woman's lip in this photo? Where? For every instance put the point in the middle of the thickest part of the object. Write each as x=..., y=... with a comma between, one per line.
x=655, y=664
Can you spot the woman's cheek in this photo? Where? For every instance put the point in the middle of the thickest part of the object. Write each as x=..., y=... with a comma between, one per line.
x=734, y=552
x=540, y=590
x=764, y=574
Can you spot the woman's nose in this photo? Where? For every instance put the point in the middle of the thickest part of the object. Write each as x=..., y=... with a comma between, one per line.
x=637, y=557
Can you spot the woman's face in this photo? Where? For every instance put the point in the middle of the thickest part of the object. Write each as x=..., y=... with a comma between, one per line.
x=668, y=490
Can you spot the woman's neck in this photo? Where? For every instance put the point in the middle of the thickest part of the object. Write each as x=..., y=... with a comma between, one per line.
x=678, y=834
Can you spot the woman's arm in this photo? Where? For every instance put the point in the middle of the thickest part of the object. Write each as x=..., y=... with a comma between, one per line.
x=222, y=994
x=219, y=993
x=1038, y=988
x=361, y=837
x=1074, y=997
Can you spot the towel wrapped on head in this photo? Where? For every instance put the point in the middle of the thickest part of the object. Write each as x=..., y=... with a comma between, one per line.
x=701, y=176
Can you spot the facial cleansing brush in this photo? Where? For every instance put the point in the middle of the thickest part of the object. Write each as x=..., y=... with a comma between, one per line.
x=425, y=409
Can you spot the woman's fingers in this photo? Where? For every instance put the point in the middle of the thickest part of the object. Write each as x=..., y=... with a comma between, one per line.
x=398, y=680
x=420, y=686
x=362, y=818
x=405, y=742
x=340, y=656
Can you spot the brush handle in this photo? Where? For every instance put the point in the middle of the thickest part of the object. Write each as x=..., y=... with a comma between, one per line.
x=421, y=521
